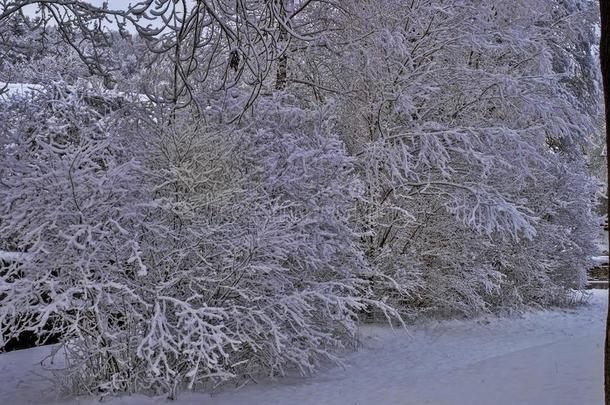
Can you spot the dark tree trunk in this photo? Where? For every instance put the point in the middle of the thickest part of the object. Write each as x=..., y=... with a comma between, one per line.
x=282, y=73
x=604, y=53
x=282, y=63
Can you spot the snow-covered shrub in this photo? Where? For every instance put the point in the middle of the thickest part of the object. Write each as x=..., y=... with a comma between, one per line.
x=425, y=155
x=549, y=268
x=169, y=252
x=462, y=118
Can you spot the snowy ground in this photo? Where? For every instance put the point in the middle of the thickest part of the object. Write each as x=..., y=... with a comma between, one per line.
x=17, y=89
x=552, y=357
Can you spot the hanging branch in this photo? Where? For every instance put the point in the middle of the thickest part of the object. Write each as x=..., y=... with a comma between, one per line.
x=243, y=39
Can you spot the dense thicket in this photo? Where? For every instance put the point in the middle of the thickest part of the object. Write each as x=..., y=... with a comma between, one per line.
x=227, y=194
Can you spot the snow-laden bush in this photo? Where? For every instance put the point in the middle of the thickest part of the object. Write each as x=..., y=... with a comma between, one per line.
x=462, y=118
x=424, y=155
x=549, y=268
x=172, y=253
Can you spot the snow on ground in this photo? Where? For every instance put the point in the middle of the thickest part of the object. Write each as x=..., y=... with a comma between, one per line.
x=17, y=89
x=548, y=357
x=25, y=89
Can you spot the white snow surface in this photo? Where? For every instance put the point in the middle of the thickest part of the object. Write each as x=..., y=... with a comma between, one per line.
x=547, y=357
x=18, y=89
x=24, y=89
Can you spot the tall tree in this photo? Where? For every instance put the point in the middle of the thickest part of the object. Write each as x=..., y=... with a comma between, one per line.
x=604, y=53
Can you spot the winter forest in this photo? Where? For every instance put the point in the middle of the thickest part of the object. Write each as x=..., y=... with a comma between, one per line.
x=200, y=195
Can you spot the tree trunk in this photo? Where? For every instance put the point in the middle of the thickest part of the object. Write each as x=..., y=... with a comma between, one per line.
x=604, y=53
x=282, y=63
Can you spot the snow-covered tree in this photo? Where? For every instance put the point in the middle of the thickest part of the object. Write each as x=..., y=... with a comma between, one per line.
x=170, y=253
x=298, y=165
x=457, y=114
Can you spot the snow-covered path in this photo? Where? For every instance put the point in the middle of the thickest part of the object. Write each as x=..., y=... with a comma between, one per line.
x=552, y=357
